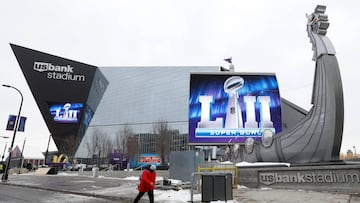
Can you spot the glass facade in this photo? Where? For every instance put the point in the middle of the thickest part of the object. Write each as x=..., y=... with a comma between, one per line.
x=139, y=97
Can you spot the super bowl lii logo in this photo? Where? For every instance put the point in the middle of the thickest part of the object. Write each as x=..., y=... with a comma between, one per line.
x=234, y=125
x=66, y=114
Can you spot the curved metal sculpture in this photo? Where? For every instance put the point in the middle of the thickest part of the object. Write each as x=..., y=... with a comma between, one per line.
x=317, y=137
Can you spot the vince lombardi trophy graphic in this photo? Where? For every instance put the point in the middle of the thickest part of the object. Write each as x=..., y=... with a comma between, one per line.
x=233, y=114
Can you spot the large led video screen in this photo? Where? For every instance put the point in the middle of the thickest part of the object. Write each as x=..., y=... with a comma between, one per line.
x=65, y=112
x=227, y=108
x=88, y=115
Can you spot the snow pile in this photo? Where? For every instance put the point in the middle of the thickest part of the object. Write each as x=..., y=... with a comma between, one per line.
x=257, y=164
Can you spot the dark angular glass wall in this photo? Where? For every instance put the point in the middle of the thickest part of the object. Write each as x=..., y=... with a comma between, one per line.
x=67, y=93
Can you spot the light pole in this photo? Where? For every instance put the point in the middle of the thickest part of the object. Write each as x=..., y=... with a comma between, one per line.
x=2, y=157
x=354, y=151
x=47, y=150
x=21, y=162
x=4, y=178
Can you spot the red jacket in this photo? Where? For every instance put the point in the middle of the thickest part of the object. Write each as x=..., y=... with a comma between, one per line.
x=147, y=181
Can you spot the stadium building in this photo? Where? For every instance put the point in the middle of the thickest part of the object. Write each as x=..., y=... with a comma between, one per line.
x=108, y=100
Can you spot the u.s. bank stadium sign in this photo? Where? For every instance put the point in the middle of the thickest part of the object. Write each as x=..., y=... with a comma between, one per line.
x=306, y=177
x=57, y=72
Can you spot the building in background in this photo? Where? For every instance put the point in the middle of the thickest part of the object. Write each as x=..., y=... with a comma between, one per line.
x=20, y=159
x=138, y=98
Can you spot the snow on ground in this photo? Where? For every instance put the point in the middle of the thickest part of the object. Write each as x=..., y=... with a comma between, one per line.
x=247, y=164
x=168, y=196
x=173, y=196
x=257, y=164
x=131, y=178
x=158, y=178
x=161, y=196
x=67, y=174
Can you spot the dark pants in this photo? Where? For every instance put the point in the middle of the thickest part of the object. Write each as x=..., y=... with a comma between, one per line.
x=150, y=194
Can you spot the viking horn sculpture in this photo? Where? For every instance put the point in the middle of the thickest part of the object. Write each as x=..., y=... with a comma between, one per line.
x=317, y=137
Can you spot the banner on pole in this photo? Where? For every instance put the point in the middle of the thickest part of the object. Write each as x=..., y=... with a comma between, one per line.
x=11, y=123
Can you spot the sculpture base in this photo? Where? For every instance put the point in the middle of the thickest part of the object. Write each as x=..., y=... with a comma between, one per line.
x=332, y=177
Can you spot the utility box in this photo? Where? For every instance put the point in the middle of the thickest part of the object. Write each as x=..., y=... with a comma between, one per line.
x=95, y=172
x=216, y=186
x=183, y=163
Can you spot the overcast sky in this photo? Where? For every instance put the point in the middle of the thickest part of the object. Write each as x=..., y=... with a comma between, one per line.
x=260, y=36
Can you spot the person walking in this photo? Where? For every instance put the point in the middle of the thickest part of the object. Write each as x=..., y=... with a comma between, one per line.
x=147, y=183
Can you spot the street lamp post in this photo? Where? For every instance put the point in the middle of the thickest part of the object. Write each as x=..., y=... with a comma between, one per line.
x=47, y=150
x=21, y=162
x=4, y=178
x=354, y=152
x=3, y=155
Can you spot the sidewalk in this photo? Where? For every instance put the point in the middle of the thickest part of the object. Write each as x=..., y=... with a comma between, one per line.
x=122, y=187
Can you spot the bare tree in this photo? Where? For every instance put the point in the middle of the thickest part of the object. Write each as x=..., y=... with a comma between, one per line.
x=93, y=144
x=122, y=137
x=99, y=144
x=106, y=147
x=163, y=141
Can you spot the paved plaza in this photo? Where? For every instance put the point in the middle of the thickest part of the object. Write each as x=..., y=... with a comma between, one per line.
x=121, y=186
